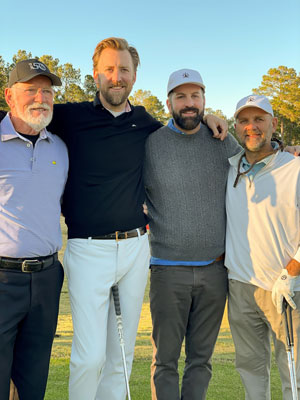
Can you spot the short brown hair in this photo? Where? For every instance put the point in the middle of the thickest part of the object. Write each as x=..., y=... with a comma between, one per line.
x=118, y=44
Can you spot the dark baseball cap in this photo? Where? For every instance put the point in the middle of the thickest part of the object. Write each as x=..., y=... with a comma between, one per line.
x=28, y=69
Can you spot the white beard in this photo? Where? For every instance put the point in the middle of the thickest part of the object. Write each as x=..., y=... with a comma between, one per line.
x=36, y=123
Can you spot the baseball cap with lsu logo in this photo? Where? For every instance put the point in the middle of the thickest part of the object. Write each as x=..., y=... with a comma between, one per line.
x=254, y=100
x=28, y=69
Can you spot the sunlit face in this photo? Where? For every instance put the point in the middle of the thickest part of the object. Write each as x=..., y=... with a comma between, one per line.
x=186, y=105
x=31, y=102
x=255, y=128
x=115, y=76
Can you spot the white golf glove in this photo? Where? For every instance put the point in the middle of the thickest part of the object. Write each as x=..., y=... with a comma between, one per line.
x=283, y=288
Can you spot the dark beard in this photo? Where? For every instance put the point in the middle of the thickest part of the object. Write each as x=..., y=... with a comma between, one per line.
x=188, y=123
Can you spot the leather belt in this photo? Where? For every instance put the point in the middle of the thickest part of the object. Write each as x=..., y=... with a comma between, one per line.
x=118, y=235
x=221, y=257
x=27, y=264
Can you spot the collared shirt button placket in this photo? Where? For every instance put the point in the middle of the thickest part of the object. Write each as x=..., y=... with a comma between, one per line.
x=32, y=158
x=31, y=148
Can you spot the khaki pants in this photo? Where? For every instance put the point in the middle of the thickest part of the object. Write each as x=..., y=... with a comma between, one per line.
x=253, y=321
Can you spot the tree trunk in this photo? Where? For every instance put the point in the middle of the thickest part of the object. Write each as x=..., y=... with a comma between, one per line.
x=281, y=131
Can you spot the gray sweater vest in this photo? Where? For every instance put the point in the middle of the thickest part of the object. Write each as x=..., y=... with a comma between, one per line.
x=185, y=179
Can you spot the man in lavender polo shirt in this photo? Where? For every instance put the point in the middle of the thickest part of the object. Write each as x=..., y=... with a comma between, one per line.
x=33, y=172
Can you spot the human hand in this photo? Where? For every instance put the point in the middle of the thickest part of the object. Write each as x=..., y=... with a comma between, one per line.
x=283, y=288
x=295, y=150
x=218, y=126
x=2, y=114
x=145, y=209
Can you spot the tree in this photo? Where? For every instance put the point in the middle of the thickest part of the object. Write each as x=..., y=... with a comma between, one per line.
x=71, y=85
x=52, y=64
x=282, y=86
x=291, y=132
x=5, y=68
x=230, y=121
x=20, y=56
x=89, y=87
x=71, y=89
x=55, y=68
x=151, y=103
x=70, y=78
x=73, y=93
x=3, y=83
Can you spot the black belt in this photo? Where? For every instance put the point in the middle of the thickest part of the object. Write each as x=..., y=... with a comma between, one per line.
x=118, y=235
x=27, y=264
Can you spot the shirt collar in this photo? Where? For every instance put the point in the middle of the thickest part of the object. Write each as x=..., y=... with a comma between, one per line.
x=234, y=160
x=8, y=132
x=173, y=128
x=246, y=164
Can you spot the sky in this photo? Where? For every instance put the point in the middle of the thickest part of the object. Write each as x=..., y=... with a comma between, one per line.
x=231, y=43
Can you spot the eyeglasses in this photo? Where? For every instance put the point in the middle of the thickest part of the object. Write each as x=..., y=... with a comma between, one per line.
x=32, y=91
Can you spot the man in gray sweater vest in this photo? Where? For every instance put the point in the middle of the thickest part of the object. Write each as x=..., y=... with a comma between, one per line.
x=185, y=178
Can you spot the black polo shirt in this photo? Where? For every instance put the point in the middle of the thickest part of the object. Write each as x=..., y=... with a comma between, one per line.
x=105, y=189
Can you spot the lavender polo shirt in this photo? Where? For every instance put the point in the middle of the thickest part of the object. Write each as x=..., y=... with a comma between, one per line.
x=32, y=180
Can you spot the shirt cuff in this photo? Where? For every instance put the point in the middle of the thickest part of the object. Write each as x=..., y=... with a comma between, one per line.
x=297, y=255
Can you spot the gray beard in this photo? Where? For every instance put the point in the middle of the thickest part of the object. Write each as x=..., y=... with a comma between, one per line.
x=255, y=149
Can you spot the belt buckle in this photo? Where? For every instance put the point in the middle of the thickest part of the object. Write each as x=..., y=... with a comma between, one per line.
x=117, y=233
x=26, y=264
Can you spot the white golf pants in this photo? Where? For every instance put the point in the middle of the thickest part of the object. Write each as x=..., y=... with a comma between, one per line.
x=93, y=267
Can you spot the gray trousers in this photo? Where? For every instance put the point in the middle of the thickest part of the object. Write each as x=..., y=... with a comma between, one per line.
x=253, y=321
x=185, y=302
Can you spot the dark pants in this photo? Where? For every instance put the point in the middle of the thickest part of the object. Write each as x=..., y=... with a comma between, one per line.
x=28, y=318
x=185, y=302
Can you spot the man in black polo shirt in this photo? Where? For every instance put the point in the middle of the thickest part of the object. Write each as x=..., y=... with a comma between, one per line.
x=104, y=196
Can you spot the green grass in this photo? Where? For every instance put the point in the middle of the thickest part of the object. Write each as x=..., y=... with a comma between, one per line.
x=225, y=383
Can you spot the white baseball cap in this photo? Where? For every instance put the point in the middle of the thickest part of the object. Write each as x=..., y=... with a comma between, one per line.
x=183, y=76
x=254, y=100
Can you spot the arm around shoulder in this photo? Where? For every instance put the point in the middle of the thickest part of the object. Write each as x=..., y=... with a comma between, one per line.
x=2, y=114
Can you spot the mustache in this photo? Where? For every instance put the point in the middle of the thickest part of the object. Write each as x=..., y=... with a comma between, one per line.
x=186, y=109
x=39, y=105
x=251, y=132
x=117, y=84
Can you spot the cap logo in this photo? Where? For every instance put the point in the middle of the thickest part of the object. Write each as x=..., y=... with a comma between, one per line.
x=37, y=65
x=185, y=75
x=251, y=98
